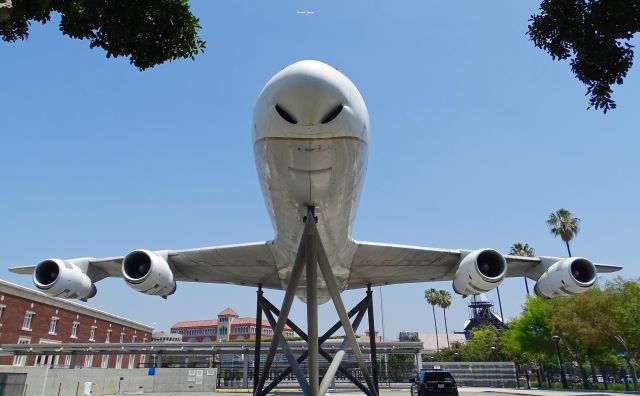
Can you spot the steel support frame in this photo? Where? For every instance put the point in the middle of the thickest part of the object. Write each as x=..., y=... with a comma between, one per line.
x=312, y=256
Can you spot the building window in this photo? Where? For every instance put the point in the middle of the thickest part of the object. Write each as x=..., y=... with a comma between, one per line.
x=53, y=325
x=67, y=360
x=88, y=361
x=118, y=361
x=144, y=340
x=105, y=361
x=74, y=329
x=242, y=329
x=108, y=339
x=132, y=361
x=143, y=359
x=121, y=338
x=26, y=323
x=20, y=360
x=92, y=335
x=2, y=307
x=134, y=338
x=208, y=331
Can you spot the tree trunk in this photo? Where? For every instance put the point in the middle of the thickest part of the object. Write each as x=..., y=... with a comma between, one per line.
x=583, y=374
x=435, y=324
x=539, y=375
x=594, y=378
x=634, y=373
x=446, y=328
x=568, y=248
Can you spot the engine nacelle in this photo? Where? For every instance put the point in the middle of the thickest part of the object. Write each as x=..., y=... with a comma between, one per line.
x=479, y=271
x=149, y=273
x=59, y=278
x=567, y=277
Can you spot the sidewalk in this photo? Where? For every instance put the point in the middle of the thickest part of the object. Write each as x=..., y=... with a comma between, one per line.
x=401, y=392
x=541, y=392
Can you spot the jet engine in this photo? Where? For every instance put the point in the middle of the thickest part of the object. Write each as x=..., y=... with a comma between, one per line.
x=567, y=277
x=479, y=271
x=59, y=278
x=148, y=272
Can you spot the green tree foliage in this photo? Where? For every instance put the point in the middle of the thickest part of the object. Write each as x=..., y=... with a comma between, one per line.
x=595, y=35
x=562, y=223
x=532, y=331
x=594, y=328
x=621, y=325
x=450, y=354
x=148, y=32
x=522, y=250
x=484, y=346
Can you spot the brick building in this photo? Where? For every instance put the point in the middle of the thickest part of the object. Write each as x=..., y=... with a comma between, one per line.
x=227, y=327
x=30, y=317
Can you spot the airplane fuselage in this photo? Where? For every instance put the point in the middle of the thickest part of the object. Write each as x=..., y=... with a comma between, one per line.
x=310, y=136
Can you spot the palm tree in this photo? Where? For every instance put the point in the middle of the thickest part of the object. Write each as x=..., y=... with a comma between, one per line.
x=444, y=303
x=523, y=250
x=433, y=298
x=563, y=224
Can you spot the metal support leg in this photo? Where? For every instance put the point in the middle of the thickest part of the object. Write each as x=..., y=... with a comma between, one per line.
x=337, y=359
x=256, y=356
x=359, y=309
x=372, y=339
x=311, y=255
x=293, y=363
x=332, y=287
x=296, y=273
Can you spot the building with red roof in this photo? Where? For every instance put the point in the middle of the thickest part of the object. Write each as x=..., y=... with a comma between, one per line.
x=228, y=327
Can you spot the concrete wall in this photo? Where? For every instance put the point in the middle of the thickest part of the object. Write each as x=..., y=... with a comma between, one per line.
x=44, y=381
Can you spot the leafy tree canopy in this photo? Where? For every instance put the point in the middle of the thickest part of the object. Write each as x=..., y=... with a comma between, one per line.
x=595, y=35
x=148, y=32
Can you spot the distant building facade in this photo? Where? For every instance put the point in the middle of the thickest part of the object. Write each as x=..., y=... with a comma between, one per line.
x=228, y=326
x=430, y=341
x=30, y=317
x=166, y=337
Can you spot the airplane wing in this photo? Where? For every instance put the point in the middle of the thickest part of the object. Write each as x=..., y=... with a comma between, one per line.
x=383, y=264
x=245, y=264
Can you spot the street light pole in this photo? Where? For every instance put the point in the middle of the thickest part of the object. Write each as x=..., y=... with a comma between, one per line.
x=563, y=377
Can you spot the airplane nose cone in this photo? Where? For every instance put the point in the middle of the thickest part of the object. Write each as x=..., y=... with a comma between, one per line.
x=307, y=91
x=309, y=99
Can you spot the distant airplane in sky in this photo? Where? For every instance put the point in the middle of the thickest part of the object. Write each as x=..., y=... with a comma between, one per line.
x=305, y=12
x=310, y=140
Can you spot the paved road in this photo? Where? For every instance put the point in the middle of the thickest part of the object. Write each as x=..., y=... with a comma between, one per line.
x=405, y=392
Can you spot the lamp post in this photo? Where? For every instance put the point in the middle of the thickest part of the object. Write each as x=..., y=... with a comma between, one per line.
x=556, y=339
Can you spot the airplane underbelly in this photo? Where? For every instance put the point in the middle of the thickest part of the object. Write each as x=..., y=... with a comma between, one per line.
x=324, y=173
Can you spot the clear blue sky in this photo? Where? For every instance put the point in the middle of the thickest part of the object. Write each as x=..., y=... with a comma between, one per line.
x=476, y=137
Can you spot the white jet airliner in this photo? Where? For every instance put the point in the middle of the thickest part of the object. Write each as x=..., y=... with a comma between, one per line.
x=310, y=138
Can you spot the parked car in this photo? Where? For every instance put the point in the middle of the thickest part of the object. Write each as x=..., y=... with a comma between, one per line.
x=434, y=382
